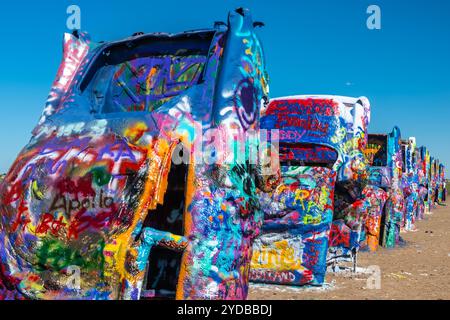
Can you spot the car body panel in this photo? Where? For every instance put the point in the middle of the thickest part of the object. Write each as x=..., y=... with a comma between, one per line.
x=385, y=171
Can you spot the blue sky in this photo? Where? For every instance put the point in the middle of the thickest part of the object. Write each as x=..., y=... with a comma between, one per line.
x=312, y=47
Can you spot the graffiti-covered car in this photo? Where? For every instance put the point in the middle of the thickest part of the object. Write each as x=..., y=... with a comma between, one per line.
x=442, y=184
x=385, y=171
x=410, y=183
x=420, y=168
x=293, y=245
x=357, y=204
x=444, y=194
x=434, y=176
x=424, y=183
x=431, y=184
x=120, y=181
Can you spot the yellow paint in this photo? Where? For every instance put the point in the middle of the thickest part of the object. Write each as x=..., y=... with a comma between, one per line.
x=148, y=81
x=153, y=193
x=309, y=219
x=372, y=149
x=134, y=132
x=311, y=205
x=340, y=135
x=34, y=186
x=187, y=219
x=279, y=256
x=324, y=196
x=301, y=195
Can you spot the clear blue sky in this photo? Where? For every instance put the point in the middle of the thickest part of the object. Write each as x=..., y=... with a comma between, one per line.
x=320, y=46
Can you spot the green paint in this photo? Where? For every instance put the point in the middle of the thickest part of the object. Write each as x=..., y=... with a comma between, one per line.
x=57, y=255
x=100, y=176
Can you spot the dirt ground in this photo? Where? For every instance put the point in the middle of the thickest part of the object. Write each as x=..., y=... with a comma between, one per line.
x=419, y=270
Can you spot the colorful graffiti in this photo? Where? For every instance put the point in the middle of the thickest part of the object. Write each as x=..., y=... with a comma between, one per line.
x=385, y=171
x=410, y=184
x=434, y=182
x=293, y=245
x=441, y=184
x=353, y=199
x=420, y=169
x=371, y=232
x=444, y=184
x=424, y=180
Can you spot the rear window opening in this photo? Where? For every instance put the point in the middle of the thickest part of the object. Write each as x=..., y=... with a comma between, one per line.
x=376, y=151
x=143, y=74
x=307, y=155
x=163, y=266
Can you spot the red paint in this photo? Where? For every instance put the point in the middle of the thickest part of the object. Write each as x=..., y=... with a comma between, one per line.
x=48, y=222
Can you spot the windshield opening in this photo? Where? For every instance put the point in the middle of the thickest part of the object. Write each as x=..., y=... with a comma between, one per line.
x=376, y=151
x=144, y=74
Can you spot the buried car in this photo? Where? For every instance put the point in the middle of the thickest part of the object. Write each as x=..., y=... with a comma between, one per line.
x=293, y=245
x=424, y=178
x=121, y=182
x=431, y=185
x=410, y=183
x=385, y=171
x=357, y=204
x=420, y=168
x=442, y=185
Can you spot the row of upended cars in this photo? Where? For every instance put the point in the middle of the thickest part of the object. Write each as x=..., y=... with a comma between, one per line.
x=111, y=200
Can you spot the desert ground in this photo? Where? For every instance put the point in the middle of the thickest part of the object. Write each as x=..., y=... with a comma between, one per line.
x=418, y=270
